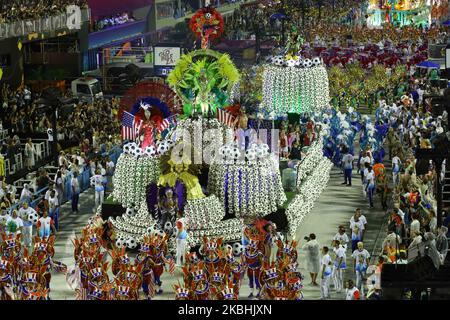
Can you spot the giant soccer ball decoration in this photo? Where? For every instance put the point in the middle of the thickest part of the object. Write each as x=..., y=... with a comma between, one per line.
x=237, y=249
x=132, y=148
x=33, y=218
x=150, y=151
x=316, y=61
x=131, y=243
x=126, y=148
x=278, y=61
x=163, y=148
x=251, y=154
x=130, y=211
x=308, y=63
x=120, y=242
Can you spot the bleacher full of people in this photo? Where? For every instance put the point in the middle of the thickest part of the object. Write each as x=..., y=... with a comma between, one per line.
x=24, y=139
x=413, y=218
x=88, y=144
x=17, y=10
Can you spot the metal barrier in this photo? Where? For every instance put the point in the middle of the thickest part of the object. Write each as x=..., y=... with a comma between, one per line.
x=19, y=162
x=11, y=169
x=40, y=151
x=37, y=197
x=44, y=146
x=7, y=167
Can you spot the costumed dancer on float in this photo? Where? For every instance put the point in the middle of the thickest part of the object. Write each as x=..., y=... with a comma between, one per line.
x=146, y=131
x=168, y=208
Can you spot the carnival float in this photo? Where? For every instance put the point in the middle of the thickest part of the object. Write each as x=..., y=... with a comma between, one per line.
x=294, y=84
x=195, y=162
x=239, y=181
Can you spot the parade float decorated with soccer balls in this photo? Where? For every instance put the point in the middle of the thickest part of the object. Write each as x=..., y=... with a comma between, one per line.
x=294, y=84
x=166, y=174
x=195, y=158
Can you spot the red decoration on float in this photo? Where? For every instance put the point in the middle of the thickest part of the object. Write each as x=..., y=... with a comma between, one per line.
x=150, y=89
x=207, y=24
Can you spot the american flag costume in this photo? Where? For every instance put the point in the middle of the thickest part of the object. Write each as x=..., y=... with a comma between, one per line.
x=131, y=126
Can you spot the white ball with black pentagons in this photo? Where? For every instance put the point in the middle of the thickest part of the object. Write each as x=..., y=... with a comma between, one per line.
x=317, y=61
x=262, y=151
x=33, y=217
x=150, y=151
x=168, y=227
x=131, y=211
x=150, y=230
x=228, y=151
x=133, y=148
x=163, y=148
x=236, y=153
x=222, y=152
x=138, y=152
x=308, y=63
x=160, y=233
x=170, y=142
x=121, y=242
x=126, y=148
x=92, y=182
x=251, y=154
x=278, y=61
x=131, y=243
x=237, y=249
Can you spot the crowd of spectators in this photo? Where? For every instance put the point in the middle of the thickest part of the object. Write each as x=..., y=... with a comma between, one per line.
x=70, y=168
x=85, y=135
x=92, y=126
x=241, y=25
x=413, y=217
x=114, y=20
x=340, y=34
x=17, y=10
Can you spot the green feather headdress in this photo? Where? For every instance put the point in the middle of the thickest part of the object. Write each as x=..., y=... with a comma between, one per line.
x=203, y=71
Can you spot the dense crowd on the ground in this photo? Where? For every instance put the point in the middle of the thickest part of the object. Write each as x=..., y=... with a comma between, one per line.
x=413, y=218
x=18, y=10
x=402, y=125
